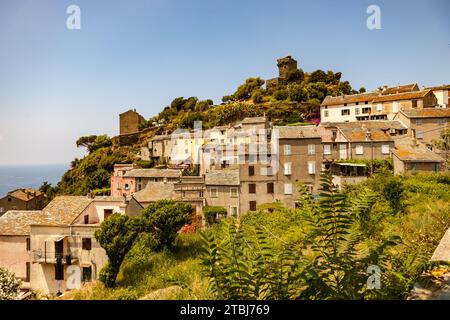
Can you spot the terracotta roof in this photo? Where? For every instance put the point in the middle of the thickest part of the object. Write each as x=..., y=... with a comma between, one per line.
x=400, y=88
x=17, y=222
x=222, y=177
x=371, y=124
x=427, y=113
x=297, y=132
x=401, y=96
x=25, y=194
x=64, y=210
x=340, y=100
x=155, y=191
x=360, y=135
x=443, y=87
x=161, y=137
x=408, y=151
x=153, y=173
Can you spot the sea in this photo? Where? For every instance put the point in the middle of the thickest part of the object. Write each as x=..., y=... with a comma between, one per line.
x=15, y=177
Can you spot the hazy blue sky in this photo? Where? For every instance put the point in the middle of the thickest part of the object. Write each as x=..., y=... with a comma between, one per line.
x=58, y=84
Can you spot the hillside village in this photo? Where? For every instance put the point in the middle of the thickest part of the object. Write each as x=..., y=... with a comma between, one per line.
x=239, y=166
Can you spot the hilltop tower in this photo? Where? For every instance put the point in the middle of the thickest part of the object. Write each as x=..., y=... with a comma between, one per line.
x=285, y=65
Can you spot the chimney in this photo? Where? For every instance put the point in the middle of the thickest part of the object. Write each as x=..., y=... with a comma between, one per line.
x=413, y=137
x=90, y=195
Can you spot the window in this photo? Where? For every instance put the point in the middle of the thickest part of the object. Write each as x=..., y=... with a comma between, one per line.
x=345, y=104
x=186, y=151
x=28, y=244
x=107, y=213
x=365, y=110
x=288, y=188
x=326, y=149
x=414, y=103
x=311, y=167
x=419, y=122
x=87, y=274
x=359, y=149
x=357, y=103
x=379, y=107
x=86, y=243
x=357, y=110
x=287, y=168
x=287, y=149
x=385, y=149
x=127, y=187
x=311, y=149
x=183, y=194
x=325, y=113
x=251, y=170
x=213, y=192
x=395, y=106
x=345, y=112
x=233, y=192
x=252, y=188
x=252, y=205
x=86, y=219
x=27, y=272
x=366, y=102
x=234, y=211
x=412, y=166
x=270, y=187
x=200, y=194
x=9, y=199
x=436, y=167
x=269, y=171
x=59, y=271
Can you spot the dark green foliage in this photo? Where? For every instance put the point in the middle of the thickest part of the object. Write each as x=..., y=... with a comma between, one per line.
x=163, y=219
x=214, y=213
x=93, y=142
x=281, y=94
x=116, y=236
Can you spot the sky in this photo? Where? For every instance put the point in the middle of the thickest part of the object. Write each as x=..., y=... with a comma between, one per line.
x=58, y=84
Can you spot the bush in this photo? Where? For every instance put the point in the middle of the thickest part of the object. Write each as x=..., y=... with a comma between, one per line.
x=214, y=213
x=281, y=95
x=9, y=285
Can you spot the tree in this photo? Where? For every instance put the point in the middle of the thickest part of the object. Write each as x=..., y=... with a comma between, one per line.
x=444, y=142
x=213, y=213
x=281, y=94
x=9, y=285
x=318, y=76
x=116, y=235
x=163, y=219
x=93, y=142
x=362, y=90
x=257, y=96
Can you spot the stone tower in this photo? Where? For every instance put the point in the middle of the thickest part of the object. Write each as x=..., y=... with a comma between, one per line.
x=285, y=65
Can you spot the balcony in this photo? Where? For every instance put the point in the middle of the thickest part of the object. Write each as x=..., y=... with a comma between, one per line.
x=52, y=257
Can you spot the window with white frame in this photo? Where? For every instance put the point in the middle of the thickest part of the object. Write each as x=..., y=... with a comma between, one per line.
x=379, y=107
x=311, y=149
x=385, y=149
x=359, y=149
x=287, y=168
x=311, y=167
x=233, y=192
x=288, y=188
x=213, y=192
x=234, y=211
x=287, y=149
x=325, y=113
x=356, y=110
x=327, y=149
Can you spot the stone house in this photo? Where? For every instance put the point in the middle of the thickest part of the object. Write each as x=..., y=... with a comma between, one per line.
x=411, y=156
x=442, y=94
x=223, y=189
x=425, y=124
x=378, y=105
x=22, y=199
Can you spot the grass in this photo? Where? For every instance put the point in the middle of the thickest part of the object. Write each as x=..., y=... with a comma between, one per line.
x=149, y=275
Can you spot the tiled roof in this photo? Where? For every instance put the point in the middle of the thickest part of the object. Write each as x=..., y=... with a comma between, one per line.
x=297, y=132
x=153, y=173
x=26, y=194
x=17, y=222
x=401, y=96
x=401, y=88
x=222, y=177
x=443, y=87
x=427, y=113
x=360, y=135
x=65, y=209
x=339, y=100
x=371, y=124
x=406, y=150
x=155, y=191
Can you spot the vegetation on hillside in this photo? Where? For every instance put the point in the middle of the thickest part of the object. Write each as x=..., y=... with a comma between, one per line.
x=321, y=250
x=9, y=285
